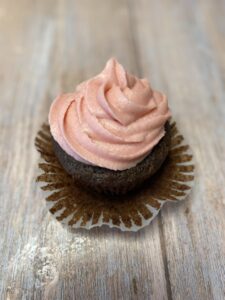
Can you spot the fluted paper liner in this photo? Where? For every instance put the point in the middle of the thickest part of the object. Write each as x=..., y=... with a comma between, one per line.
x=74, y=206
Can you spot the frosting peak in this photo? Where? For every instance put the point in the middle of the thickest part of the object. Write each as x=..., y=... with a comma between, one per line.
x=112, y=120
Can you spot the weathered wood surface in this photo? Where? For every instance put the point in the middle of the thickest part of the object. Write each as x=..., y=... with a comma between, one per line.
x=49, y=46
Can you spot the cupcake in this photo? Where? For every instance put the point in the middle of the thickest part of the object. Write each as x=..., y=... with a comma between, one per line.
x=112, y=133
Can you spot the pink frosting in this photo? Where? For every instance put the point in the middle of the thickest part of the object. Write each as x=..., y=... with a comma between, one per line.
x=112, y=120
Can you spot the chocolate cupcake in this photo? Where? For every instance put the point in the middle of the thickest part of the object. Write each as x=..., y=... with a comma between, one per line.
x=112, y=133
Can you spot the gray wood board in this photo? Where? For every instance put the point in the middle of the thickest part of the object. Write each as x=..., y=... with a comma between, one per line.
x=50, y=46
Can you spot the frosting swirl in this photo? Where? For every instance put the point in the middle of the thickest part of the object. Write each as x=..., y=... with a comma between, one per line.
x=112, y=120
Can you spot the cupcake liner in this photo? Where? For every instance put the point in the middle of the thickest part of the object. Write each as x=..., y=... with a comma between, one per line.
x=76, y=207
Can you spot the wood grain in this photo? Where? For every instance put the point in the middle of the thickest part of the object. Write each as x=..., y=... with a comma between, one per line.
x=48, y=47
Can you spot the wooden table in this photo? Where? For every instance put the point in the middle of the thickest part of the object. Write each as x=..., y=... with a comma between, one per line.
x=50, y=46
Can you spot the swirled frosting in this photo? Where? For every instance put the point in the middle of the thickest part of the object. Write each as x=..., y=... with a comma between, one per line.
x=112, y=120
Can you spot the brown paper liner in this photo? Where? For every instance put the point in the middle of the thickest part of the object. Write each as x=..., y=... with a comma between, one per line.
x=74, y=206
